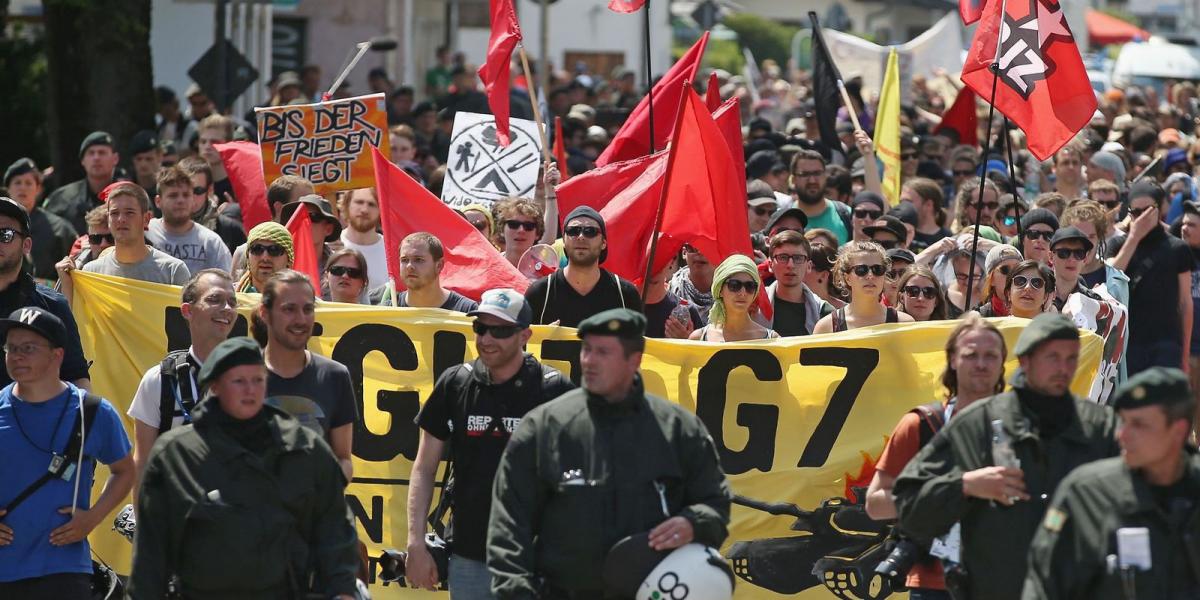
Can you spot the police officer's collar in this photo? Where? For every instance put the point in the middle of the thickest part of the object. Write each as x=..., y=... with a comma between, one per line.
x=1020, y=426
x=633, y=402
x=287, y=438
x=1141, y=493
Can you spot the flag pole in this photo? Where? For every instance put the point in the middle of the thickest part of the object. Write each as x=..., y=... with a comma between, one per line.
x=649, y=81
x=1012, y=176
x=537, y=111
x=849, y=106
x=987, y=140
x=662, y=196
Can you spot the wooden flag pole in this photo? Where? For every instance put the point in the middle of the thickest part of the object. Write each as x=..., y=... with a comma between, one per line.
x=849, y=106
x=537, y=111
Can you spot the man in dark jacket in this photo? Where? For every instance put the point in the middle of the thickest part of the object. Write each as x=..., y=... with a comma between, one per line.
x=599, y=464
x=98, y=154
x=245, y=502
x=956, y=478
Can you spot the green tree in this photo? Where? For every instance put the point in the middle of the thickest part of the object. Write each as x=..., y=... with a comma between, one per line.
x=765, y=38
x=23, y=69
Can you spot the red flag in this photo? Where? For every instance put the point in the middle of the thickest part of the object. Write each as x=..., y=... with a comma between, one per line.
x=729, y=119
x=243, y=164
x=1042, y=86
x=712, y=93
x=506, y=32
x=300, y=226
x=560, y=150
x=961, y=117
x=970, y=10
x=473, y=265
x=633, y=140
x=625, y=6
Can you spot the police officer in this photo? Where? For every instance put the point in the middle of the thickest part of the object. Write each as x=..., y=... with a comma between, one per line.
x=1128, y=527
x=956, y=478
x=599, y=464
x=245, y=502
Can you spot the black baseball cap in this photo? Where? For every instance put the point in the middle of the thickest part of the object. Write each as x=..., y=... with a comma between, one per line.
x=1070, y=233
x=10, y=208
x=39, y=321
x=887, y=224
x=787, y=212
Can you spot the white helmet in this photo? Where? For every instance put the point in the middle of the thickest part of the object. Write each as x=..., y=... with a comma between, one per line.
x=691, y=572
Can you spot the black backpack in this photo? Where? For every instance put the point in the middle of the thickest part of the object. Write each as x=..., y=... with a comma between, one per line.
x=177, y=375
x=933, y=418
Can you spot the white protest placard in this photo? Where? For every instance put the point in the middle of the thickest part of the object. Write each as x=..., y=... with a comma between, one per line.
x=481, y=171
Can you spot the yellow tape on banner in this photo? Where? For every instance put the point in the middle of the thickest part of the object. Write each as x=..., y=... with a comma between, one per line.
x=799, y=420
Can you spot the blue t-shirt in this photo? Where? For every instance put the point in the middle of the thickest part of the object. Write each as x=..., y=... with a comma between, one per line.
x=28, y=433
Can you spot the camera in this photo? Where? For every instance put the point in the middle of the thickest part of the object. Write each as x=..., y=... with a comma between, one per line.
x=899, y=562
x=391, y=562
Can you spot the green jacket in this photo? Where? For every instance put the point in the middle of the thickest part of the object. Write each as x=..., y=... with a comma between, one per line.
x=995, y=538
x=580, y=474
x=225, y=520
x=1068, y=557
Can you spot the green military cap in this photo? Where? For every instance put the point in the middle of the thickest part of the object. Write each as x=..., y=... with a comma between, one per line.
x=621, y=322
x=1156, y=385
x=1044, y=328
x=96, y=138
x=233, y=352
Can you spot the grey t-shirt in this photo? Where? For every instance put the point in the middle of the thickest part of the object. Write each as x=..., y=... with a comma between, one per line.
x=157, y=267
x=321, y=397
x=200, y=248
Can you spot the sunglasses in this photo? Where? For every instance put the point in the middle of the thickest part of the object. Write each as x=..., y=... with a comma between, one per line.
x=737, y=285
x=8, y=234
x=867, y=214
x=500, y=332
x=1004, y=269
x=1009, y=221
x=887, y=244
x=896, y=273
x=97, y=239
x=199, y=191
x=763, y=211
x=1137, y=212
x=916, y=291
x=1065, y=253
x=481, y=225
x=784, y=259
x=587, y=231
x=1034, y=234
x=907, y=156
x=961, y=278
x=1021, y=281
x=862, y=270
x=1111, y=204
x=342, y=271
x=514, y=225
x=273, y=249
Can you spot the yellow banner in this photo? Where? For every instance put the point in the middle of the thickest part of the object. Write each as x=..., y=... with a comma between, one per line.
x=887, y=129
x=797, y=421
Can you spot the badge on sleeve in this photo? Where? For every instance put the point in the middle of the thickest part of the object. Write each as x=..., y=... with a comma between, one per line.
x=1055, y=519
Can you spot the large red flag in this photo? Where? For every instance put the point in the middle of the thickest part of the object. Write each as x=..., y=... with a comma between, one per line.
x=961, y=117
x=633, y=140
x=472, y=266
x=506, y=32
x=625, y=6
x=300, y=226
x=1042, y=84
x=243, y=164
x=729, y=120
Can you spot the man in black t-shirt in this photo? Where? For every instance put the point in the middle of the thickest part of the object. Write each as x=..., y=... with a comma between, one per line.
x=473, y=409
x=1160, y=280
x=582, y=288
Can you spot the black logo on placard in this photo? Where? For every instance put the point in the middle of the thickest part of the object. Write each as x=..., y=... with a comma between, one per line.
x=484, y=170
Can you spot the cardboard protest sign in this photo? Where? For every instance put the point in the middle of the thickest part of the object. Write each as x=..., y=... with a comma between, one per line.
x=327, y=143
x=480, y=171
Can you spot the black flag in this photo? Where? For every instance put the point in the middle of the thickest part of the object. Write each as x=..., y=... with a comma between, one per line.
x=826, y=97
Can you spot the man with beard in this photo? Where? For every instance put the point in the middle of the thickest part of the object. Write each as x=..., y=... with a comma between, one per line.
x=52, y=235
x=361, y=208
x=796, y=308
x=176, y=233
x=421, y=263
x=582, y=288
x=808, y=186
x=955, y=478
x=473, y=410
x=269, y=249
x=315, y=390
x=98, y=153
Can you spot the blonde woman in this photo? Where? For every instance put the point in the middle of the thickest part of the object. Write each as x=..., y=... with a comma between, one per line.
x=861, y=269
x=735, y=287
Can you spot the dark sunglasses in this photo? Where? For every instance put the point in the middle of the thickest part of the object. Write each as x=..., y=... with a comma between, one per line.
x=887, y=244
x=907, y=156
x=342, y=271
x=1065, y=253
x=860, y=213
x=8, y=234
x=1004, y=269
x=514, y=225
x=1033, y=234
x=763, y=211
x=587, y=231
x=1137, y=212
x=896, y=273
x=737, y=285
x=482, y=225
x=1021, y=281
x=1111, y=204
x=862, y=270
x=499, y=332
x=273, y=249
x=97, y=239
x=916, y=291
x=963, y=172
x=199, y=191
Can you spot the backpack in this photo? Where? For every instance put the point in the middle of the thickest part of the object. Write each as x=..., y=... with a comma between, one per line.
x=932, y=417
x=63, y=465
x=175, y=370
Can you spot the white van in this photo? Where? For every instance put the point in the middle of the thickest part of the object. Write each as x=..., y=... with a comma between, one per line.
x=1152, y=63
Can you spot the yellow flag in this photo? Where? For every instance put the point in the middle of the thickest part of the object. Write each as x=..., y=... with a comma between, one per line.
x=887, y=129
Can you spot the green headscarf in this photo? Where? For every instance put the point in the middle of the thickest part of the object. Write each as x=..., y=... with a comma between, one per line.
x=736, y=263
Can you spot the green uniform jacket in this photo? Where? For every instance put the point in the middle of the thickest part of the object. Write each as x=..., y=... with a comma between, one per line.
x=1068, y=558
x=579, y=475
x=72, y=202
x=225, y=520
x=996, y=538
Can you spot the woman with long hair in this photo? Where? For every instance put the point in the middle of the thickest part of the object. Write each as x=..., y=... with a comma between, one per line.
x=861, y=269
x=1030, y=289
x=735, y=286
x=997, y=268
x=921, y=295
x=346, y=277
